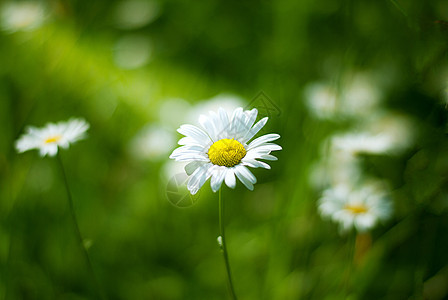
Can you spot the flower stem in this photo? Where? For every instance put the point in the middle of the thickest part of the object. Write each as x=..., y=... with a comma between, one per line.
x=351, y=255
x=399, y=7
x=224, y=248
x=78, y=232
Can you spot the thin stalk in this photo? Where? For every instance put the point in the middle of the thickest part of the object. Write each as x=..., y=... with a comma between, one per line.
x=224, y=247
x=399, y=7
x=351, y=255
x=78, y=232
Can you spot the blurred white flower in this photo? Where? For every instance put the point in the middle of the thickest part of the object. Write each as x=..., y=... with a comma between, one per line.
x=133, y=14
x=221, y=149
x=321, y=100
x=52, y=136
x=387, y=134
x=22, y=16
x=360, y=208
x=356, y=95
x=399, y=130
x=364, y=142
x=152, y=142
x=360, y=95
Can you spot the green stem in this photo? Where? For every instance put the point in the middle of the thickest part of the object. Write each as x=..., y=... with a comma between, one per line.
x=399, y=7
x=223, y=246
x=351, y=256
x=78, y=232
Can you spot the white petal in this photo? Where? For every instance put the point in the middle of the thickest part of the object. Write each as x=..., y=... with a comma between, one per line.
x=224, y=121
x=188, y=150
x=217, y=178
x=63, y=143
x=192, y=166
x=209, y=126
x=251, y=117
x=236, y=122
x=74, y=129
x=198, y=178
x=230, y=178
x=259, y=154
x=192, y=157
x=268, y=157
x=189, y=141
x=245, y=181
x=246, y=173
x=215, y=119
x=245, y=176
x=51, y=150
x=364, y=222
x=267, y=147
x=195, y=133
x=26, y=142
x=254, y=130
x=255, y=163
x=188, y=153
x=263, y=139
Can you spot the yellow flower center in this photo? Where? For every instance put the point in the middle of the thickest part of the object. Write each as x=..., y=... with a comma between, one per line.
x=356, y=209
x=226, y=152
x=53, y=139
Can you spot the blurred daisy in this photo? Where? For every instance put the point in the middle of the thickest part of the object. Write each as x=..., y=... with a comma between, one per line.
x=359, y=208
x=363, y=142
x=356, y=95
x=152, y=142
x=134, y=14
x=21, y=16
x=321, y=100
x=220, y=149
x=52, y=136
x=388, y=134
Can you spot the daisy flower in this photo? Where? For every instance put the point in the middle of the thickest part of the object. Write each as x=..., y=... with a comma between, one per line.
x=49, y=138
x=360, y=208
x=21, y=16
x=221, y=149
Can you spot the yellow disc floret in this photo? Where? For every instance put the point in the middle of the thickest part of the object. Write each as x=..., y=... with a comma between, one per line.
x=53, y=139
x=356, y=209
x=226, y=152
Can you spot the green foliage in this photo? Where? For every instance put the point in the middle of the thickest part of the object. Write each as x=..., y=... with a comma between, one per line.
x=144, y=247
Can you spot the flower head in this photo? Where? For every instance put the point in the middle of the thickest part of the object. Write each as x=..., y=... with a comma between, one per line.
x=21, y=16
x=360, y=208
x=52, y=136
x=221, y=149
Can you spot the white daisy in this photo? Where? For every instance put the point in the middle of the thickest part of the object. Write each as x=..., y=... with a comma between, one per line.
x=152, y=142
x=220, y=149
x=355, y=95
x=21, y=15
x=361, y=208
x=52, y=136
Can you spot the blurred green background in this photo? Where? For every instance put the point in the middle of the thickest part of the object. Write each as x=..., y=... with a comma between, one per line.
x=137, y=69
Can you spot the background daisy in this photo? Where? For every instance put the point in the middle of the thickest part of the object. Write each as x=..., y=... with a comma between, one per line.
x=360, y=208
x=49, y=138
